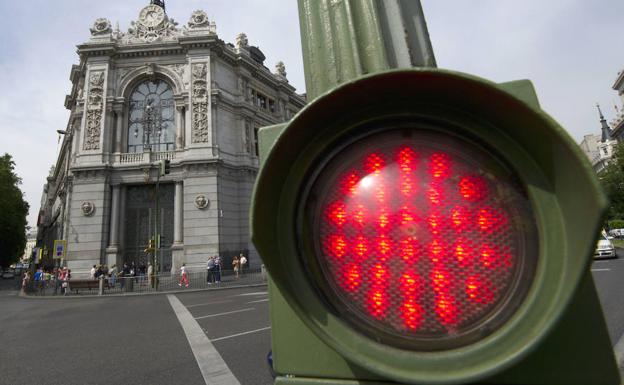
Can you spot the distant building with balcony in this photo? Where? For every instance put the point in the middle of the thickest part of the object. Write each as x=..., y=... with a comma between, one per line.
x=599, y=148
x=152, y=93
x=618, y=122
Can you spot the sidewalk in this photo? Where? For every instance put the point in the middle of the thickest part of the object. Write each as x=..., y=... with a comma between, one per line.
x=140, y=285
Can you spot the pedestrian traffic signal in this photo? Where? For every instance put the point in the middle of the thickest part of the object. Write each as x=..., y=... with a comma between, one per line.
x=165, y=167
x=427, y=226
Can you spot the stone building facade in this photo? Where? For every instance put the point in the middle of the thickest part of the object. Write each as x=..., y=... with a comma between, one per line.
x=156, y=92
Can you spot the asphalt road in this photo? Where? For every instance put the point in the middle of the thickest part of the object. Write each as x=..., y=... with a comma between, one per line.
x=129, y=340
x=609, y=280
x=140, y=339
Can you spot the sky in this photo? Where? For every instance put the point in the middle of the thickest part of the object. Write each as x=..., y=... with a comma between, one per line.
x=572, y=50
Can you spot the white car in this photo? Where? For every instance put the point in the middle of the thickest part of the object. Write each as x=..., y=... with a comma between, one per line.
x=8, y=274
x=604, y=248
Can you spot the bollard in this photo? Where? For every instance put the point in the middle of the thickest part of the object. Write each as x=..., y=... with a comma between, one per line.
x=101, y=285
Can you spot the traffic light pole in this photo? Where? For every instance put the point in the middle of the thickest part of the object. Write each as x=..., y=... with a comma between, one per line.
x=343, y=40
x=156, y=262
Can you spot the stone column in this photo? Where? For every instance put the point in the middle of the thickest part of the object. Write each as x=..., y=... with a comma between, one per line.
x=118, y=127
x=113, y=239
x=177, y=249
x=179, y=122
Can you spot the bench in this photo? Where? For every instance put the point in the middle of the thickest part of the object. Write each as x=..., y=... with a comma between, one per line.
x=84, y=284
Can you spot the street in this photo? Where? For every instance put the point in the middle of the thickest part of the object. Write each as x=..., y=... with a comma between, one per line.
x=149, y=338
x=131, y=340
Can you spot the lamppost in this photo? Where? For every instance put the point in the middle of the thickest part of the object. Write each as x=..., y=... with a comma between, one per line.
x=152, y=124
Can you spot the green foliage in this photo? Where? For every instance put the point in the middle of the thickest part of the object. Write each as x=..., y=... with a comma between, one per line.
x=13, y=209
x=616, y=224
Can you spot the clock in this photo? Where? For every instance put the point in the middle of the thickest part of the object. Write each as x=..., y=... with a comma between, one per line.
x=151, y=16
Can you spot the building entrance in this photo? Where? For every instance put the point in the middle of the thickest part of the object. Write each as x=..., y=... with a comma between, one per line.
x=140, y=220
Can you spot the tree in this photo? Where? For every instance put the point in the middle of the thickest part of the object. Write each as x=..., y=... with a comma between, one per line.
x=13, y=212
x=612, y=180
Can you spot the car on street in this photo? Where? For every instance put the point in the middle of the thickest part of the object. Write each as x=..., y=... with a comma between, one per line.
x=8, y=274
x=604, y=248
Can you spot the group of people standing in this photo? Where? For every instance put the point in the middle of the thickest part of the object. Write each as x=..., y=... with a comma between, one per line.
x=57, y=277
x=214, y=267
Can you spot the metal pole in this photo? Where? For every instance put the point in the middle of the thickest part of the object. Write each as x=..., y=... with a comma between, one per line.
x=156, y=232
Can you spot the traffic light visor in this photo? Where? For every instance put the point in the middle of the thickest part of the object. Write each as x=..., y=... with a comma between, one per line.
x=422, y=239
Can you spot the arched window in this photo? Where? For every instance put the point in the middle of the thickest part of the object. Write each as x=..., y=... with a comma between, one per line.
x=150, y=117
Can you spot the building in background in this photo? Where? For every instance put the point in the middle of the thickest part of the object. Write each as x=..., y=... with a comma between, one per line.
x=599, y=148
x=618, y=122
x=156, y=92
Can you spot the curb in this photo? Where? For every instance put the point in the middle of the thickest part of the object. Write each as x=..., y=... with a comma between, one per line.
x=43, y=297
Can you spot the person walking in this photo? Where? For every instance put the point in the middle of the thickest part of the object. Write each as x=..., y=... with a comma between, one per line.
x=55, y=277
x=243, y=261
x=183, y=276
x=112, y=276
x=210, y=266
x=217, y=263
x=235, y=264
x=92, y=272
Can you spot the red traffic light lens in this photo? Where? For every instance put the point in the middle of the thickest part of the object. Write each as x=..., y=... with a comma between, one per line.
x=422, y=239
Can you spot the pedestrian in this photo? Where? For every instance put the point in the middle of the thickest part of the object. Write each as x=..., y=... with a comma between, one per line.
x=25, y=282
x=235, y=264
x=66, y=278
x=39, y=279
x=210, y=266
x=92, y=273
x=55, y=279
x=243, y=261
x=217, y=263
x=113, y=276
x=150, y=274
x=124, y=274
x=183, y=276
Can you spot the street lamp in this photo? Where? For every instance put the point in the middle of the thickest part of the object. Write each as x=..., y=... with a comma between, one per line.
x=152, y=124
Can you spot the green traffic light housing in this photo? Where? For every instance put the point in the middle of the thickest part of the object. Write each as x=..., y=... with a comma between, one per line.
x=164, y=167
x=536, y=174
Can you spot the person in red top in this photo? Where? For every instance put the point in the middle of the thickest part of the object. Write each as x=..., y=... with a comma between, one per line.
x=183, y=276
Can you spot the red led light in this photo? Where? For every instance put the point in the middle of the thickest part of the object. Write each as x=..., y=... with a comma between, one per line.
x=374, y=164
x=472, y=188
x=446, y=309
x=351, y=277
x=384, y=246
x=350, y=183
x=440, y=165
x=409, y=249
x=415, y=240
x=336, y=246
x=359, y=215
x=360, y=248
x=412, y=314
x=337, y=213
x=377, y=302
x=479, y=290
x=461, y=218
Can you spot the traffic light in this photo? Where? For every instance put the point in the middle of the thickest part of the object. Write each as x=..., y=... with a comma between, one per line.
x=150, y=246
x=427, y=226
x=165, y=167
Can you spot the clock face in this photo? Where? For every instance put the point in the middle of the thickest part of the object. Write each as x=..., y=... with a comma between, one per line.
x=151, y=16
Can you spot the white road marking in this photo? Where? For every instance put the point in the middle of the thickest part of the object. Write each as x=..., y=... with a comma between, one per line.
x=256, y=293
x=260, y=300
x=600, y=269
x=225, y=313
x=207, y=303
x=211, y=365
x=240, y=334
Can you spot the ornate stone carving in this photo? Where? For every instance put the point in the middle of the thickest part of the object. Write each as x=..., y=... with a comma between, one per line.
x=280, y=69
x=101, y=26
x=201, y=202
x=153, y=24
x=88, y=209
x=241, y=41
x=180, y=70
x=95, y=108
x=198, y=19
x=199, y=105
